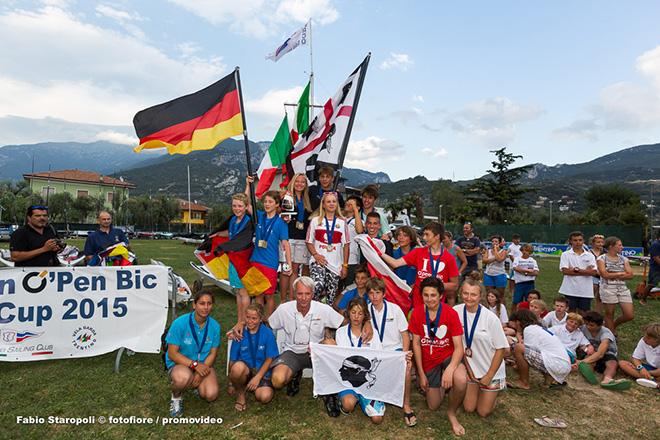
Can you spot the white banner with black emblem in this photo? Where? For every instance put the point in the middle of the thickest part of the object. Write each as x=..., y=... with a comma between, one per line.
x=62, y=313
x=375, y=374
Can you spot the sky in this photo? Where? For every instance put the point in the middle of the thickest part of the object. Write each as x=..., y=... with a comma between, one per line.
x=556, y=82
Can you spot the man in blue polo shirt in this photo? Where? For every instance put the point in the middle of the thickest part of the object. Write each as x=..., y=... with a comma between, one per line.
x=106, y=236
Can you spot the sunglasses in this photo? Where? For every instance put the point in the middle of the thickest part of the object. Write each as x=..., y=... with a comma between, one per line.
x=41, y=207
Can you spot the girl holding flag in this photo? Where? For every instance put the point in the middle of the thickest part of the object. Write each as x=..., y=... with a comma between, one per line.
x=485, y=346
x=327, y=241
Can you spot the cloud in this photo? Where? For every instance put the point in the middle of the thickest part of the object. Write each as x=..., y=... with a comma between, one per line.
x=261, y=18
x=418, y=98
x=399, y=61
x=270, y=104
x=369, y=153
x=117, y=14
x=95, y=74
x=623, y=106
x=491, y=121
x=117, y=137
x=440, y=152
x=404, y=116
x=427, y=127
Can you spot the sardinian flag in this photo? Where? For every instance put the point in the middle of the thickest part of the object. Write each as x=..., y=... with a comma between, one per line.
x=326, y=139
x=374, y=374
x=397, y=291
x=296, y=39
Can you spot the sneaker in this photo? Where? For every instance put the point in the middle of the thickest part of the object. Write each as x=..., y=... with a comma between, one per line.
x=293, y=387
x=332, y=405
x=176, y=407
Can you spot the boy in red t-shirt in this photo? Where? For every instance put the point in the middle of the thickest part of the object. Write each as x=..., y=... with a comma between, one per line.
x=432, y=260
x=438, y=350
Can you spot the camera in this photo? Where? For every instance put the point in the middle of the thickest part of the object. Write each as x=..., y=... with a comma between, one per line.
x=60, y=243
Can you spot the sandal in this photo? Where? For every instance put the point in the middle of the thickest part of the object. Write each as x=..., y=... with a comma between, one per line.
x=551, y=423
x=586, y=371
x=617, y=385
x=410, y=418
x=241, y=406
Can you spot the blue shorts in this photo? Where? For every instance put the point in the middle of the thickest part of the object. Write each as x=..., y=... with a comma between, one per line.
x=498, y=281
x=648, y=367
x=521, y=291
x=578, y=302
x=234, y=279
x=369, y=407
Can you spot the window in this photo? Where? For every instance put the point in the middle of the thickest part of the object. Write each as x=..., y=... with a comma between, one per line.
x=111, y=196
x=82, y=193
x=47, y=191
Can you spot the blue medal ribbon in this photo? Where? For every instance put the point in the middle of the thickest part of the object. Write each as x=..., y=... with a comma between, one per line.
x=469, y=336
x=329, y=230
x=194, y=334
x=435, y=323
x=300, y=207
x=381, y=330
x=253, y=348
x=267, y=225
x=435, y=267
x=350, y=338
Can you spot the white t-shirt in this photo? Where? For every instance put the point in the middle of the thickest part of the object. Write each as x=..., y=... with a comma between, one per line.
x=650, y=355
x=514, y=250
x=342, y=340
x=317, y=235
x=551, y=320
x=395, y=323
x=495, y=267
x=524, y=263
x=300, y=330
x=571, y=340
x=354, y=253
x=504, y=316
x=488, y=337
x=577, y=285
x=553, y=352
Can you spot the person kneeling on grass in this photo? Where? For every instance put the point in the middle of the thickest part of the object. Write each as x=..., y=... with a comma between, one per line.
x=193, y=341
x=250, y=359
x=604, y=360
x=646, y=357
x=539, y=349
x=438, y=349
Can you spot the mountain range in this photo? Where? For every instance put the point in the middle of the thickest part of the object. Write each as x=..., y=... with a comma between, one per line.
x=218, y=173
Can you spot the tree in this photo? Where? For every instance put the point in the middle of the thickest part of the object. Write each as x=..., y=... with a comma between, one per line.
x=60, y=207
x=82, y=207
x=614, y=205
x=407, y=204
x=500, y=190
x=449, y=195
x=218, y=213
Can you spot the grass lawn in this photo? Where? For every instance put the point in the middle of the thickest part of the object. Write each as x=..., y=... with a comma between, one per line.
x=88, y=387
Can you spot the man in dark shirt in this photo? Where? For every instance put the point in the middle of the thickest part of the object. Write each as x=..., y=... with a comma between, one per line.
x=654, y=272
x=36, y=243
x=106, y=236
x=471, y=246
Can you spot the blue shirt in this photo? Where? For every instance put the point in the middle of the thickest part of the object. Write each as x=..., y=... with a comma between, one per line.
x=279, y=230
x=654, y=251
x=348, y=296
x=98, y=241
x=406, y=273
x=181, y=336
x=255, y=351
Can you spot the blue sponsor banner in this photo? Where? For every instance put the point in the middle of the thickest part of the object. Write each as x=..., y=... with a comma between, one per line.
x=558, y=249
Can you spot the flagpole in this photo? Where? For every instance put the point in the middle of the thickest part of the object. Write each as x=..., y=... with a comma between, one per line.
x=311, y=73
x=253, y=199
x=349, y=128
x=189, y=208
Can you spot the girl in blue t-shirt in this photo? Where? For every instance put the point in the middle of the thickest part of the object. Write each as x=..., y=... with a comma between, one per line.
x=250, y=359
x=407, y=241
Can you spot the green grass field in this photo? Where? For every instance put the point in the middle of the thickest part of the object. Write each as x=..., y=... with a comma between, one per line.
x=88, y=387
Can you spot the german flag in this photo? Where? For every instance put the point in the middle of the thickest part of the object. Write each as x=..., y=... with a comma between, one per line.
x=198, y=121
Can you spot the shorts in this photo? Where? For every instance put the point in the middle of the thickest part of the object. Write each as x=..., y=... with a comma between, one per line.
x=498, y=281
x=299, y=252
x=493, y=385
x=648, y=367
x=234, y=279
x=169, y=371
x=535, y=359
x=435, y=375
x=510, y=275
x=578, y=302
x=599, y=366
x=521, y=290
x=370, y=408
x=295, y=361
x=595, y=281
x=264, y=382
x=270, y=274
x=615, y=294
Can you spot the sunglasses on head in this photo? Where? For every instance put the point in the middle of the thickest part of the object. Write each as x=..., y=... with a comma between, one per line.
x=41, y=207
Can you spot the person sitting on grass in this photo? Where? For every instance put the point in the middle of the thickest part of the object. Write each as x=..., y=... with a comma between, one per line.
x=350, y=336
x=360, y=291
x=495, y=305
x=525, y=270
x=558, y=315
x=646, y=357
x=250, y=359
x=192, y=346
x=438, y=349
x=604, y=359
x=539, y=349
x=571, y=336
x=485, y=346
x=391, y=328
x=538, y=307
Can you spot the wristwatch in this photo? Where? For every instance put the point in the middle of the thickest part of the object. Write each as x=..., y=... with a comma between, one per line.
x=639, y=367
x=193, y=365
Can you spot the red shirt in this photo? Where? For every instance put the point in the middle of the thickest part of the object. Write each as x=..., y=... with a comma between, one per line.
x=435, y=351
x=419, y=258
x=523, y=305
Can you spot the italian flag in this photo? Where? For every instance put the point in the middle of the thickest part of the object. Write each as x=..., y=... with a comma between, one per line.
x=279, y=149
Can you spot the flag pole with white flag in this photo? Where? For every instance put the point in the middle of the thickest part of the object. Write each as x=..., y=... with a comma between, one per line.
x=374, y=374
x=296, y=39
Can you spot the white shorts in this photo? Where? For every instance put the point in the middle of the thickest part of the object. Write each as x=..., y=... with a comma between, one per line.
x=614, y=293
x=299, y=252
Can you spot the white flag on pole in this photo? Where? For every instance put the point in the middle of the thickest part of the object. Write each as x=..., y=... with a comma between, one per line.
x=375, y=374
x=296, y=39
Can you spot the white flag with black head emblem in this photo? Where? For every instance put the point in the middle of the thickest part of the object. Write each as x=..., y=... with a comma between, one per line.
x=374, y=374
